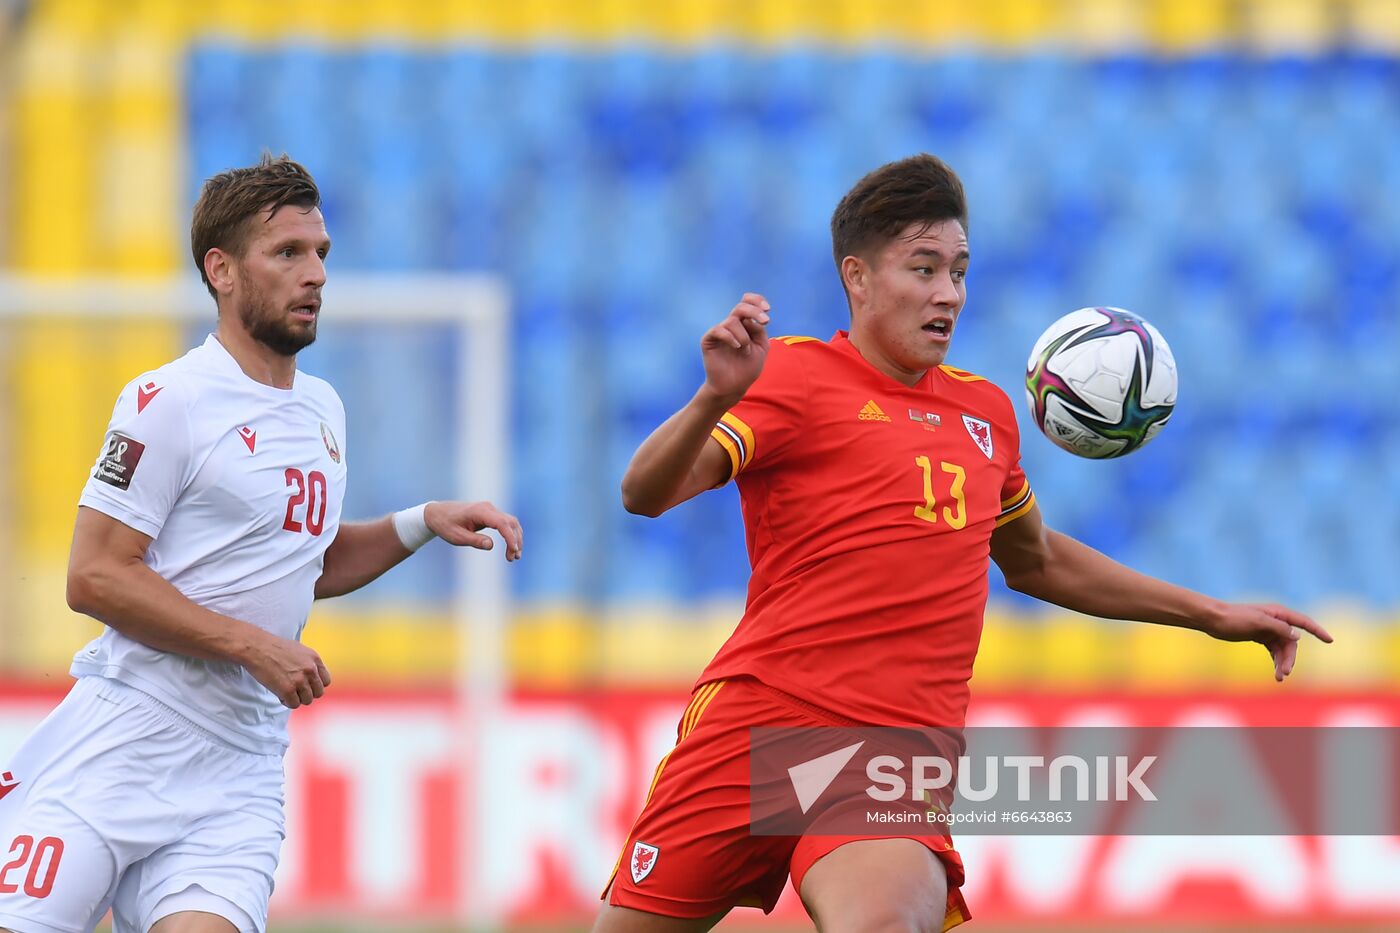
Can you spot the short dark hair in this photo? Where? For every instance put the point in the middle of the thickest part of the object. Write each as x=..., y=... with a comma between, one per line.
x=230, y=200
x=919, y=189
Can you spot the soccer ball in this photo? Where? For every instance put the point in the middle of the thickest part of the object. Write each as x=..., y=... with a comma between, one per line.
x=1101, y=382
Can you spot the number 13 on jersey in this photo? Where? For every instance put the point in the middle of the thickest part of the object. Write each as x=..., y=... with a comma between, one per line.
x=955, y=517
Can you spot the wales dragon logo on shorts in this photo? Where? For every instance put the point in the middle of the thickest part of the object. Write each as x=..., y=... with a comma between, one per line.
x=643, y=861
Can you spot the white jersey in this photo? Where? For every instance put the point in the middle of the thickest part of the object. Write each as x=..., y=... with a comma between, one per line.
x=239, y=485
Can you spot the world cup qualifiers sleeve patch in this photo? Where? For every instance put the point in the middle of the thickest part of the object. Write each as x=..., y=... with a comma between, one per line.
x=119, y=460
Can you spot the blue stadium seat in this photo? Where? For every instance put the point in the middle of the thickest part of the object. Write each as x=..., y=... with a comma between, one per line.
x=546, y=90
x=297, y=80
x=791, y=94
x=1037, y=93
x=1197, y=92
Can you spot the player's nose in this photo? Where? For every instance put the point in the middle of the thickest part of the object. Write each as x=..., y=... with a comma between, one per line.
x=315, y=272
x=945, y=291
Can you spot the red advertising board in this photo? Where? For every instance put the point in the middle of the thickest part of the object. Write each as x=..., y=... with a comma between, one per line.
x=377, y=782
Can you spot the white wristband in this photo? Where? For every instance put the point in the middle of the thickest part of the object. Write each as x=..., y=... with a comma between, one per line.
x=412, y=527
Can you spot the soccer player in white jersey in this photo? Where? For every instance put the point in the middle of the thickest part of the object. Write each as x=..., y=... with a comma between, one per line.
x=209, y=524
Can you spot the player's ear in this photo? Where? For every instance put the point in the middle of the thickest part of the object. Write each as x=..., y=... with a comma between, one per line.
x=855, y=273
x=218, y=266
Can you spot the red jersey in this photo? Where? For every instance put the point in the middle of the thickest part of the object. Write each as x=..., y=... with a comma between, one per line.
x=869, y=508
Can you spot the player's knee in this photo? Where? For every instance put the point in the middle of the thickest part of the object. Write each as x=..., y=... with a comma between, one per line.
x=612, y=919
x=876, y=908
x=883, y=918
x=877, y=885
x=191, y=921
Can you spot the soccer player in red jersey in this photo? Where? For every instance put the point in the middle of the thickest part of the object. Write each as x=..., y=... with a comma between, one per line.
x=875, y=482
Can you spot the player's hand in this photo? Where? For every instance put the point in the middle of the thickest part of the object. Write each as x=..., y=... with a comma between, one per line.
x=460, y=523
x=1277, y=628
x=735, y=348
x=292, y=671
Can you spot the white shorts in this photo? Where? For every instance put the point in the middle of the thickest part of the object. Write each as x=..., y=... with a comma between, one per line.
x=124, y=804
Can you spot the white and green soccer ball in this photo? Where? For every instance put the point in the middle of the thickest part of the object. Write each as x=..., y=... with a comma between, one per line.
x=1101, y=382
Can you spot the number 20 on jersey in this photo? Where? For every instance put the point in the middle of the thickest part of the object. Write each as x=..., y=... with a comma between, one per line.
x=306, y=504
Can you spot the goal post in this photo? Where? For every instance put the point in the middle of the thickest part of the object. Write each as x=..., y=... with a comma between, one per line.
x=477, y=309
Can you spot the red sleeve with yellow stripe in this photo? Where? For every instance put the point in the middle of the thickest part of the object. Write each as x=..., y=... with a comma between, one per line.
x=1017, y=503
x=757, y=432
x=1016, y=496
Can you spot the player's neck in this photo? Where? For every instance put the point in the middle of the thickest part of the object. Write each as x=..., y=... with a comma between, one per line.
x=258, y=361
x=869, y=350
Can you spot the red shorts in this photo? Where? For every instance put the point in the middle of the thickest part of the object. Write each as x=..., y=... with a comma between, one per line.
x=692, y=847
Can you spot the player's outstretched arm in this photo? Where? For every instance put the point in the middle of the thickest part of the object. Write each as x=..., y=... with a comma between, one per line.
x=363, y=551
x=1058, y=569
x=108, y=580
x=679, y=461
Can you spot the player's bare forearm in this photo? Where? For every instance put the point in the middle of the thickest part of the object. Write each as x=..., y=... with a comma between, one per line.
x=1073, y=575
x=108, y=580
x=1060, y=570
x=675, y=462
x=361, y=553
x=139, y=603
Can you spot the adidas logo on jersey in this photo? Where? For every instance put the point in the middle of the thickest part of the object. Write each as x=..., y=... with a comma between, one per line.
x=872, y=412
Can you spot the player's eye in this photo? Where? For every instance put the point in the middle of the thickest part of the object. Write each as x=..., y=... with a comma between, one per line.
x=924, y=270
x=286, y=251
x=959, y=275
